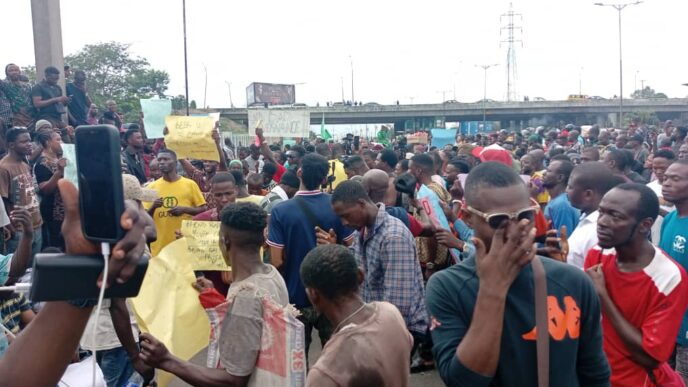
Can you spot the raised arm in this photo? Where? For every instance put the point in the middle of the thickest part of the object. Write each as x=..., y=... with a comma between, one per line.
x=264, y=148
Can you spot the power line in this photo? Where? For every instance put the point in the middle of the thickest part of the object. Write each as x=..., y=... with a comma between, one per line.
x=511, y=40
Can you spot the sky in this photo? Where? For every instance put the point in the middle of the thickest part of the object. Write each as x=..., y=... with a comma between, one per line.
x=411, y=52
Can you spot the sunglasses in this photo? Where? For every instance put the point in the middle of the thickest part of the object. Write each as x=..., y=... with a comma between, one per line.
x=291, y=156
x=496, y=219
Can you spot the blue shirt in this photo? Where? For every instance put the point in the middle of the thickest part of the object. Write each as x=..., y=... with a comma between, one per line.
x=561, y=213
x=291, y=230
x=387, y=253
x=5, y=261
x=673, y=241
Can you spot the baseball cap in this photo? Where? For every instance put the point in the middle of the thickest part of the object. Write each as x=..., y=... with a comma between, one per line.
x=134, y=191
x=493, y=152
x=42, y=123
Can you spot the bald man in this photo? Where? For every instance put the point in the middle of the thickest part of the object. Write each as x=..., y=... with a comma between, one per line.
x=378, y=186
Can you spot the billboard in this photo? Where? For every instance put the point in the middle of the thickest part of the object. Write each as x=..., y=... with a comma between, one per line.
x=270, y=93
x=281, y=123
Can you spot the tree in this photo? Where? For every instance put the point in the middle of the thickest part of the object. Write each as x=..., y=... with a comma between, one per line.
x=642, y=116
x=30, y=73
x=112, y=73
x=647, y=92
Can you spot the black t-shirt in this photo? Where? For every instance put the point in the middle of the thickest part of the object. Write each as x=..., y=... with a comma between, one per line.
x=78, y=107
x=575, y=349
x=51, y=204
x=47, y=91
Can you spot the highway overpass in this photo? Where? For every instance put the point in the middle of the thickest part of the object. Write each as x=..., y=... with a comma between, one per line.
x=507, y=113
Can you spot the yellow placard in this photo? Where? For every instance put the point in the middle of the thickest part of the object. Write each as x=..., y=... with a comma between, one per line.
x=174, y=316
x=191, y=137
x=203, y=244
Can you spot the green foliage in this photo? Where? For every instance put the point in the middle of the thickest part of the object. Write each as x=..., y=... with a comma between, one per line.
x=647, y=92
x=30, y=73
x=641, y=116
x=113, y=73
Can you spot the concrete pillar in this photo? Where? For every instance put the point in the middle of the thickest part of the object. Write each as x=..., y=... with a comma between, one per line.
x=47, y=37
x=613, y=118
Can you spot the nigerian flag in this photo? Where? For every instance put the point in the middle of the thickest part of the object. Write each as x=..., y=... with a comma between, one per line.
x=323, y=132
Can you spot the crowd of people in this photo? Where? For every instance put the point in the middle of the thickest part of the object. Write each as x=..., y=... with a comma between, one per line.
x=403, y=257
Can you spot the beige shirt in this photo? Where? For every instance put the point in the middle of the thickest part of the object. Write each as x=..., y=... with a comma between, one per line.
x=374, y=353
x=241, y=333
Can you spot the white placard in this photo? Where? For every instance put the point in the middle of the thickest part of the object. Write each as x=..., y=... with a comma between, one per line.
x=280, y=123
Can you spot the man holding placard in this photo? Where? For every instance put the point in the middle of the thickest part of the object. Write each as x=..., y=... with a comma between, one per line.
x=180, y=199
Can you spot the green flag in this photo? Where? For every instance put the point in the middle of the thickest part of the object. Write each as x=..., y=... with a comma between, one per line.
x=382, y=136
x=323, y=132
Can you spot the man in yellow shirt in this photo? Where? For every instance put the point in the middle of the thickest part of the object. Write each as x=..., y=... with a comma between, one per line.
x=180, y=199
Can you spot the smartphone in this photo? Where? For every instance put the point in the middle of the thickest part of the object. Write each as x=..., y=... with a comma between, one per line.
x=60, y=277
x=99, y=170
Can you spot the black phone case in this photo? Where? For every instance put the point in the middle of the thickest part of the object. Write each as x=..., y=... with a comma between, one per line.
x=61, y=277
x=110, y=134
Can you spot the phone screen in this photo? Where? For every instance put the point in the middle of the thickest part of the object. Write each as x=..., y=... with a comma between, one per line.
x=100, y=199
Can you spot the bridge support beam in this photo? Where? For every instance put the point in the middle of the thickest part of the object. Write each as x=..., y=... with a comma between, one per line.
x=47, y=36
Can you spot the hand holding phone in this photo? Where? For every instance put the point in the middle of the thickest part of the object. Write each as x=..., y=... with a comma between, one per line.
x=101, y=194
x=78, y=273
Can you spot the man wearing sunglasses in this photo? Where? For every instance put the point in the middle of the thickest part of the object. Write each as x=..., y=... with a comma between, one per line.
x=483, y=312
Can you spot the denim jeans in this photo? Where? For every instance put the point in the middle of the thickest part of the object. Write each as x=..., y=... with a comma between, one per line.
x=312, y=319
x=36, y=244
x=116, y=366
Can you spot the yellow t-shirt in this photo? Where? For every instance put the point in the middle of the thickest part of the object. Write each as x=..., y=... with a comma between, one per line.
x=339, y=173
x=181, y=193
x=536, y=179
x=255, y=199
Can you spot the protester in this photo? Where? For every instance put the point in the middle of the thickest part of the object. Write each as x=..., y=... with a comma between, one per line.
x=79, y=101
x=536, y=170
x=49, y=101
x=13, y=266
x=255, y=161
x=285, y=190
x=355, y=166
x=180, y=199
x=133, y=159
x=48, y=169
x=370, y=345
x=240, y=338
x=493, y=342
x=254, y=184
x=659, y=162
x=242, y=189
x=590, y=154
x=589, y=182
x=17, y=186
x=18, y=93
x=674, y=234
x=386, y=251
x=559, y=210
x=638, y=330
x=291, y=235
x=429, y=253
x=386, y=161
x=112, y=113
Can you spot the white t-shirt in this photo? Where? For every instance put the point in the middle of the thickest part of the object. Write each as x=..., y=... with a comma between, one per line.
x=583, y=238
x=656, y=230
x=106, y=337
